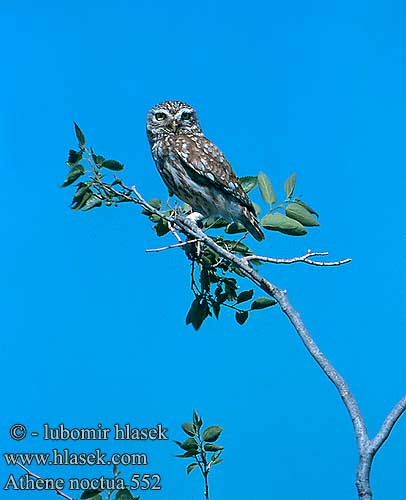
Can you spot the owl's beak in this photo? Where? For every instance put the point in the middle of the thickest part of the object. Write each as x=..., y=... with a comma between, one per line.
x=174, y=126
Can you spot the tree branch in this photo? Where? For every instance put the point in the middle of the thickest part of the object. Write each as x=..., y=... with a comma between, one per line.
x=169, y=247
x=388, y=424
x=367, y=448
x=58, y=492
x=303, y=258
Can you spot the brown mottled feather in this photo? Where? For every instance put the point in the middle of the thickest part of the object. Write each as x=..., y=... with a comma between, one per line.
x=194, y=168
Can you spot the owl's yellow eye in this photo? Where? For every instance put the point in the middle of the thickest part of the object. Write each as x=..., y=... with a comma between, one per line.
x=160, y=116
x=186, y=116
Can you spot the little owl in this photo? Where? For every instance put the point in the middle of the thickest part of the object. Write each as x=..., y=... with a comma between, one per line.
x=194, y=169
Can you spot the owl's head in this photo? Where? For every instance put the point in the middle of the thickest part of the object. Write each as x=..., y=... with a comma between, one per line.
x=172, y=117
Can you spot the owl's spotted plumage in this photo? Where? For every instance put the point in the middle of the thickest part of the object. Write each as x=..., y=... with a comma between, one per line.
x=194, y=169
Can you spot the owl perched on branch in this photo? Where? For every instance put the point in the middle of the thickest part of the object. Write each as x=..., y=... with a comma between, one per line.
x=194, y=169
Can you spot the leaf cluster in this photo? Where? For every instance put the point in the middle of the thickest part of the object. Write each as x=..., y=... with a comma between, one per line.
x=86, y=164
x=289, y=216
x=200, y=444
x=216, y=288
x=214, y=280
x=124, y=494
x=99, y=494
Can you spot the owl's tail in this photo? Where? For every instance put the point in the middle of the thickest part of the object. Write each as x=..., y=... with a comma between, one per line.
x=250, y=222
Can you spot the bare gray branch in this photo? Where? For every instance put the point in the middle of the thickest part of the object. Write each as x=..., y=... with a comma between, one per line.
x=367, y=447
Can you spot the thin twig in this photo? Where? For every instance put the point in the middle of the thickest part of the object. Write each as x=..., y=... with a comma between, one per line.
x=232, y=248
x=169, y=247
x=58, y=492
x=303, y=258
x=173, y=231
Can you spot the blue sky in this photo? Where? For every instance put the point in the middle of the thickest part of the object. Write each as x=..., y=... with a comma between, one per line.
x=93, y=327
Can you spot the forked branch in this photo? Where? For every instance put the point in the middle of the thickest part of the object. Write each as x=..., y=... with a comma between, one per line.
x=306, y=258
x=367, y=447
x=240, y=261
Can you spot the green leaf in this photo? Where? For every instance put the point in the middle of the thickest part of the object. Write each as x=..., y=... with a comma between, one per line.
x=266, y=189
x=212, y=433
x=257, y=208
x=216, y=308
x=189, y=444
x=283, y=224
x=191, y=467
x=189, y=428
x=217, y=461
x=289, y=185
x=248, y=183
x=230, y=285
x=205, y=279
x=262, y=303
x=80, y=204
x=235, y=228
x=244, y=296
x=238, y=247
x=155, y=203
x=98, y=159
x=298, y=212
x=235, y=246
x=237, y=271
x=73, y=175
x=241, y=317
x=154, y=218
x=90, y=494
x=215, y=222
x=213, y=447
x=74, y=156
x=92, y=202
x=309, y=209
x=80, y=135
x=198, y=312
x=188, y=454
x=81, y=191
x=195, y=418
x=112, y=165
x=161, y=228
x=123, y=495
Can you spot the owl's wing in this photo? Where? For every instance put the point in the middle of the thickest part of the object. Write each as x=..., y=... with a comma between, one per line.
x=203, y=158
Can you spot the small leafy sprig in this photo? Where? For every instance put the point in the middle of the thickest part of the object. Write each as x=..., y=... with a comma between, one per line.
x=288, y=217
x=216, y=288
x=123, y=493
x=214, y=281
x=200, y=445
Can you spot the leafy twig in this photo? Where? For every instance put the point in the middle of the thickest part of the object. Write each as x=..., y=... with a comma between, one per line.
x=201, y=447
